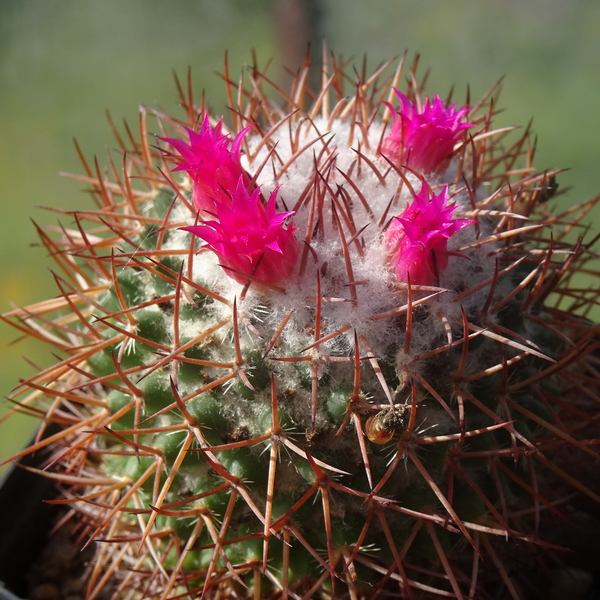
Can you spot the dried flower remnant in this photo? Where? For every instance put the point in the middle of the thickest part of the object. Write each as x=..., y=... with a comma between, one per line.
x=251, y=238
x=213, y=162
x=424, y=138
x=418, y=237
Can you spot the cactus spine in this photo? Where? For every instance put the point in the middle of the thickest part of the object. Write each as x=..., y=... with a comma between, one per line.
x=335, y=353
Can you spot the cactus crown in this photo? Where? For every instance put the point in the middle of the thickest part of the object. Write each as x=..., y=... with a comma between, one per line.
x=316, y=356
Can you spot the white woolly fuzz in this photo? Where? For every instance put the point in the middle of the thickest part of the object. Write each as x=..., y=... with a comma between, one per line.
x=306, y=155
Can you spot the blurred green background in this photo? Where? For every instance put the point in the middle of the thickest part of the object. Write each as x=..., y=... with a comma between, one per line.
x=63, y=63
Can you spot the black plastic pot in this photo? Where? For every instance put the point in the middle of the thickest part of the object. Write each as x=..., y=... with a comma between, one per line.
x=25, y=523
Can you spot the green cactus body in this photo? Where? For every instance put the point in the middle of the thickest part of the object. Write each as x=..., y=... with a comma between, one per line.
x=342, y=432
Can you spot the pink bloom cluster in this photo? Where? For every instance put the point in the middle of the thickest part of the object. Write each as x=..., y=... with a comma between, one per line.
x=424, y=140
x=249, y=237
x=417, y=239
x=213, y=166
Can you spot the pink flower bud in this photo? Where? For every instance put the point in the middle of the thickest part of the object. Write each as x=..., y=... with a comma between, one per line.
x=213, y=163
x=250, y=238
x=424, y=140
x=417, y=239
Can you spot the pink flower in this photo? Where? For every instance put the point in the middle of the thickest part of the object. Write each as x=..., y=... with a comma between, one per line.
x=424, y=140
x=418, y=238
x=214, y=167
x=250, y=238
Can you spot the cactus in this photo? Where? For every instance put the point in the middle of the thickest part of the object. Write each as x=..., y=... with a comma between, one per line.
x=335, y=351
